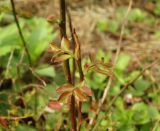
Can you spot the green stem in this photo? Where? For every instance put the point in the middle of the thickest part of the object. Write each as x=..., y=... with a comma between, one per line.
x=20, y=32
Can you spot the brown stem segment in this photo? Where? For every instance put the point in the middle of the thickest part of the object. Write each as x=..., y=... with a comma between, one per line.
x=62, y=18
x=73, y=46
x=20, y=32
x=72, y=113
x=66, y=64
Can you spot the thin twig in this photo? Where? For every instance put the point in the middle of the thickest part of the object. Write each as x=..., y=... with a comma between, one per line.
x=20, y=32
x=115, y=60
x=9, y=62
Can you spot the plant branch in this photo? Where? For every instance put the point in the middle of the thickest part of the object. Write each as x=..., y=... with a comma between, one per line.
x=73, y=46
x=66, y=63
x=20, y=32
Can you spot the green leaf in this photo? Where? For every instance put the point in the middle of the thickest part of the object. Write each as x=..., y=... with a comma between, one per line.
x=136, y=15
x=141, y=85
x=157, y=9
x=113, y=26
x=104, y=123
x=9, y=39
x=24, y=128
x=39, y=37
x=140, y=113
x=102, y=25
x=122, y=62
x=153, y=113
x=46, y=71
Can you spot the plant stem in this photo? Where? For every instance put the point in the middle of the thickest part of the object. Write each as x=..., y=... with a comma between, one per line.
x=62, y=23
x=20, y=32
x=80, y=103
x=73, y=46
x=81, y=77
x=66, y=64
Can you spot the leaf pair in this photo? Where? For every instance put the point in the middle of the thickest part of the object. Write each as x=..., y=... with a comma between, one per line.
x=63, y=53
x=80, y=93
x=100, y=67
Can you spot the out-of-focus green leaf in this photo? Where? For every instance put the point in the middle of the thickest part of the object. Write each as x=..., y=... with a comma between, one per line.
x=24, y=128
x=141, y=85
x=48, y=71
x=39, y=37
x=121, y=66
x=157, y=9
x=102, y=25
x=108, y=25
x=9, y=39
x=122, y=62
x=153, y=113
x=140, y=113
x=104, y=123
x=136, y=15
x=113, y=26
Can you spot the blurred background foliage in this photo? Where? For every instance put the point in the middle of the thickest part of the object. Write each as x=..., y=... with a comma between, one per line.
x=26, y=91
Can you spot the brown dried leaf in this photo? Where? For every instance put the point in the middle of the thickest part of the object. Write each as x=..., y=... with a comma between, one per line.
x=65, y=44
x=104, y=72
x=101, y=63
x=64, y=96
x=79, y=95
x=54, y=47
x=61, y=58
x=65, y=88
x=77, y=46
x=51, y=18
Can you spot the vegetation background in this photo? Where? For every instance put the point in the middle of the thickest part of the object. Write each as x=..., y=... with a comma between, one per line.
x=125, y=30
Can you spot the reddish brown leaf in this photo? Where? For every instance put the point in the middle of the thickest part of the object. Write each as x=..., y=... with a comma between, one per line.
x=64, y=95
x=79, y=95
x=4, y=122
x=87, y=91
x=65, y=88
x=51, y=18
x=54, y=105
x=104, y=72
x=101, y=63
